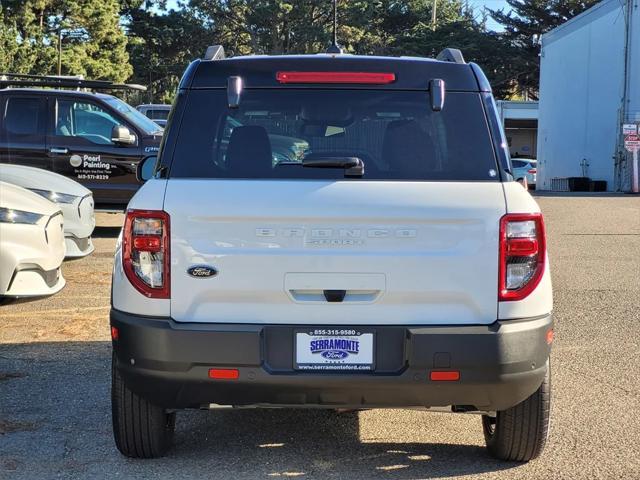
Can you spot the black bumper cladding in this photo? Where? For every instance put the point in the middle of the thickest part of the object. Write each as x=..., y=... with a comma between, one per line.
x=168, y=363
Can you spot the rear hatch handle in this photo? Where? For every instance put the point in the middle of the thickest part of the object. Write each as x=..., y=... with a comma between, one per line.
x=334, y=296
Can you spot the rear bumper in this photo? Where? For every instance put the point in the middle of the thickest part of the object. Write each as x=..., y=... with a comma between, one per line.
x=167, y=362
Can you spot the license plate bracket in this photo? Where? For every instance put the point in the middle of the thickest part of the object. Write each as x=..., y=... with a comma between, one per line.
x=334, y=350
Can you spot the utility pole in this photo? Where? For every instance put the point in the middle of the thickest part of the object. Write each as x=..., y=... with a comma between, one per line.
x=433, y=15
x=60, y=51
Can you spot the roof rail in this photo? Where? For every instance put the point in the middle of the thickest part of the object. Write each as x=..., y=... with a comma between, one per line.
x=450, y=55
x=214, y=52
x=26, y=80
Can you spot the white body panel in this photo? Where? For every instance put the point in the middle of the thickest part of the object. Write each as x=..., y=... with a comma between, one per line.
x=30, y=254
x=405, y=252
x=79, y=217
x=427, y=256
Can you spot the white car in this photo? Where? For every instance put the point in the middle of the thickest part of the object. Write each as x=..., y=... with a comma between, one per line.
x=32, y=245
x=525, y=168
x=74, y=200
x=394, y=263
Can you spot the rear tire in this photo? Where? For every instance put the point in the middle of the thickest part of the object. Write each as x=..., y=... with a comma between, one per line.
x=140, y=429
x=520, y=433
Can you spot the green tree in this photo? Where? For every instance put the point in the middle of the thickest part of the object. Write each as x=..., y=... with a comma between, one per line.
x=89, y=33
x=159, y=52
x=305, y=26
x=9, y=45
x=160, y=48
x=29, y=49
x=477, y=44
x=93, y=40
x=524, y=24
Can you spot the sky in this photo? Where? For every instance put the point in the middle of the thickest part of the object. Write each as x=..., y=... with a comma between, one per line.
x=478, y=5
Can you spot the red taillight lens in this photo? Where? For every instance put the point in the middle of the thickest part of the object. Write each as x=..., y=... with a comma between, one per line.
x=522, y=247
x=145, y=252
x=532, y=170
x=522, y=255
x=147, y=243
x=336, y=77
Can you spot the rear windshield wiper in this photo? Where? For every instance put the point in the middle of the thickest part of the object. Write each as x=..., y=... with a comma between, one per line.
x=353, y=166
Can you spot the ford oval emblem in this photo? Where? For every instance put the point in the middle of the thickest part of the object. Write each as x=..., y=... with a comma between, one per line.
x=202, y=271
x=335, y=354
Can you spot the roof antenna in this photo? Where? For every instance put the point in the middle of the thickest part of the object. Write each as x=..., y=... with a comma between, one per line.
x=335, y=48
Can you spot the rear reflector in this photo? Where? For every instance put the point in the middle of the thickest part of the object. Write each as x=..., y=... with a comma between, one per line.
x=448, y=376
x=224, y=373
x=549, y=336
x=379, y=78
x=115, y=334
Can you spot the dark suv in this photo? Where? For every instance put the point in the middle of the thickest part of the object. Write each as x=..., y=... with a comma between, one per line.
x=93, y=138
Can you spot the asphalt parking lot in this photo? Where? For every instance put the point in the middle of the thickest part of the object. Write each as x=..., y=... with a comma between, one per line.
x=55, y=419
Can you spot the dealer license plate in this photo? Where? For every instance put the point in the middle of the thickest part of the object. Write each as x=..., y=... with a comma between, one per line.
x=334, y=349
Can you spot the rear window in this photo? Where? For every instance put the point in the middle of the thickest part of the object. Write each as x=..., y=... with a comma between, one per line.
x=157, y=114
x=134, y=116
x=22, y=116
x=395, y=134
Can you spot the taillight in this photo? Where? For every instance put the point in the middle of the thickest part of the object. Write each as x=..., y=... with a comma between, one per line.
x=532, y=170
x=380, y=78
x=145, y=252
x=522, y=255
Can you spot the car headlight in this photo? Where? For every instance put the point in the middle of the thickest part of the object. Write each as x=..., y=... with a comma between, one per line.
x=55, y=197
x=9, y=215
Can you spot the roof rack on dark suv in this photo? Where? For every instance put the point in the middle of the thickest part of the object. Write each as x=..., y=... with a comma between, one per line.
x=214, y=52
x=27, y=80
x=450, y=55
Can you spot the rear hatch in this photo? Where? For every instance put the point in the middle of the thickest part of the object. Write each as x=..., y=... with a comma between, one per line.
x=413, y=240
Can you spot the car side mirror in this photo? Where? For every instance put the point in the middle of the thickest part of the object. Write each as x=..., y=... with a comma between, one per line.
x=122, y=135
x=146, y=168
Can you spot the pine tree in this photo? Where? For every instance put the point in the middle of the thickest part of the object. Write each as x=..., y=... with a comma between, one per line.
x=92, y=41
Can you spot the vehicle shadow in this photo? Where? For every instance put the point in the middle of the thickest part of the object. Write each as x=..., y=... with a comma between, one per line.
x=106, y=232
x=56, y=396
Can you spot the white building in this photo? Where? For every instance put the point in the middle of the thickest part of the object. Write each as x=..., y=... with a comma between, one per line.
x=589, y=88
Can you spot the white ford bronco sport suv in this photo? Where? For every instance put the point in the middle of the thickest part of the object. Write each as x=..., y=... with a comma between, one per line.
x=332, y=231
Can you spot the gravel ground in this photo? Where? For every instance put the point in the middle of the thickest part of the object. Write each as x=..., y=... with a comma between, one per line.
x=54, y=384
